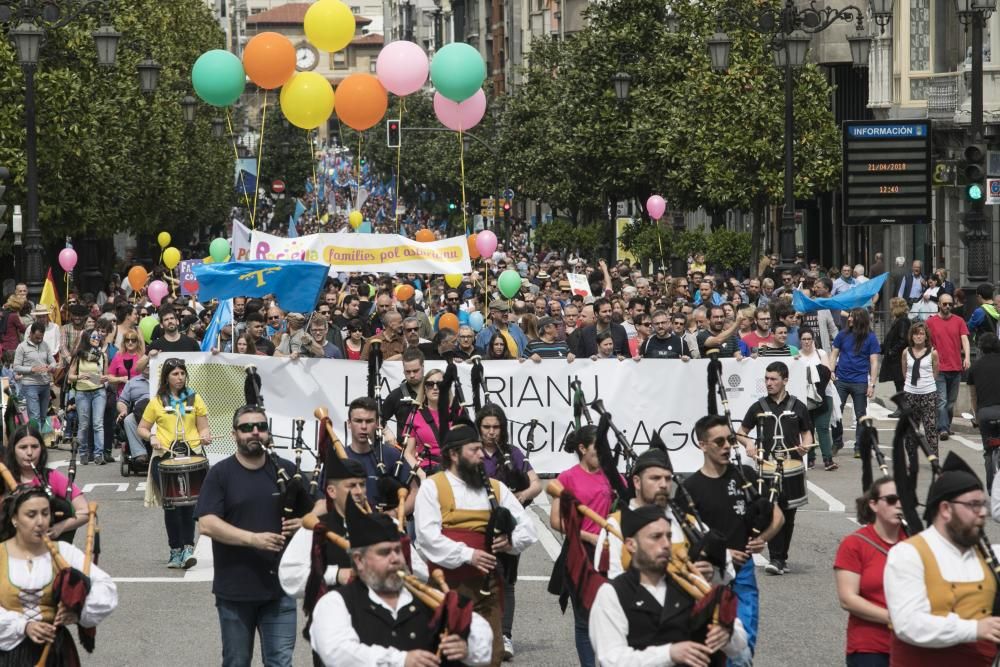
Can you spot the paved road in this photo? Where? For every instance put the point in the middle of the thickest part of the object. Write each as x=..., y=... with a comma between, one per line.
x=166, y=617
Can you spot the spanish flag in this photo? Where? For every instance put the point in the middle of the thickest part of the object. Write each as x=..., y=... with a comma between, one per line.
x=50, y=298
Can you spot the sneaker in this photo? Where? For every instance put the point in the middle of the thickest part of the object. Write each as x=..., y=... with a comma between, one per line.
x=830, y=465
x=175, y=559
x=99, y=460
x=775, y=567
x=943, y=435
x=508, y=648
x=84, y=460
x=812, y=463
x=187, y=559
x=895, y=414
x=857, y=453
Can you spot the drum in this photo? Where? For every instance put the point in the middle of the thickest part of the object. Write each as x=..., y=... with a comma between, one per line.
x=793, y=481
x=181, y=478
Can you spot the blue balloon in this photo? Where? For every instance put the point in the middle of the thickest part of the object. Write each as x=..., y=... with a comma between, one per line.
x=476, y=321
x=463, y=317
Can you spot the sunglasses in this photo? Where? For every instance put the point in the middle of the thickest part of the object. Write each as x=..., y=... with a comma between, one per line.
x=250, y=426
x=411, y=329
x=131, y=340
x=890, y=499
x=433, y=384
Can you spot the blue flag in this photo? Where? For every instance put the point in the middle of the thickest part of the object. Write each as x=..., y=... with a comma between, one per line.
x=856, y=297
x=293, y=232
x=223, y=316
x=300, y=208
x=294, y=283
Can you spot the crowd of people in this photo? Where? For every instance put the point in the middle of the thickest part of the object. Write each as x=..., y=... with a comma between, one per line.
x=419, y=470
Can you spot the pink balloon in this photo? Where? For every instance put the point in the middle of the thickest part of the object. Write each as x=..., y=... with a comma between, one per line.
x=156, y=291
x=486, y=243
x=460, y=116
x=656, y=206
x=67, y=259
x=402, y=67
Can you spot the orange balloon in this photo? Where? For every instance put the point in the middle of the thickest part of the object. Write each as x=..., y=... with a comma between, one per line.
x=448, y=321
x=269, y=60
x=425, y=235
x=473, y=250
x=137, y=277
x=404, y=292
x=361, y=101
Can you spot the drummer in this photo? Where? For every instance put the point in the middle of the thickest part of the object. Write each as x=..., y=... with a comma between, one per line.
x=27, y=460
x=789, y=443
x=181, y=420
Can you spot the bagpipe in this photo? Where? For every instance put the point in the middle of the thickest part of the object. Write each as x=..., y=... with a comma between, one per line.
x=514, y=477
x=328, y=443
x=61, y=506
x=452, y=613
x=867, y=439
x=389, y=483
x=501, y=522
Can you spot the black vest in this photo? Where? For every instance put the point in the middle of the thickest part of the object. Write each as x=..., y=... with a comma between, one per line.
x=375, y=626
x=649, y=623
x=332, y=554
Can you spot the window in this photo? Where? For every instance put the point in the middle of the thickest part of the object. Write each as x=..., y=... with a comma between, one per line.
x=920, y=46
x=356, y=10
x=338, y=60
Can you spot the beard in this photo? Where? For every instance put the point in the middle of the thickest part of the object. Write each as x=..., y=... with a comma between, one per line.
x=470, y=474
x=383, y=585
x=963, y=535
x=660, y=499
x=252, y=447
x=645, y=563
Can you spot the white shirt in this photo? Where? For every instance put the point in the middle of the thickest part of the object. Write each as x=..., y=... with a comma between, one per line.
x=337, y=643
x=101, y=601
x=906, y=592
x=609, y=633
x=448, y=553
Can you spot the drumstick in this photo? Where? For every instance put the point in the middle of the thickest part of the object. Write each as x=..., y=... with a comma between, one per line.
x=88, y=552
x=555, y=490
x=309, y=522
x=324, y=417
x=401, y=509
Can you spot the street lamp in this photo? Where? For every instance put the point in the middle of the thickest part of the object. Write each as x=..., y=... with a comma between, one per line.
x=149, y=75
x=789, y=31
x=218, y=127
x=26, y=23
x=188, y=106
x=622, y=82
x=671, y=22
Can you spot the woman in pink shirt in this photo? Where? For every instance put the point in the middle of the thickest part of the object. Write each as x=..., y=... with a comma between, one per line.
x=423, y=432
x=122, y=367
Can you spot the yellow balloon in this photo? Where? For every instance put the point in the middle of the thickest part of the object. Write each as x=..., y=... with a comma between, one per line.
x=307, y=100
x=453, y=280
x=207, y=260
x=163, y=238
x=355, y=218
x=329, y=25
x=171, y=258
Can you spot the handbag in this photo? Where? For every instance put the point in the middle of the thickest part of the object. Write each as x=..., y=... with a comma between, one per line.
x=814, y=400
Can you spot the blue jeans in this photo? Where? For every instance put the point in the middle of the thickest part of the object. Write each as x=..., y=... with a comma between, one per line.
x=581, y=635
x=948, y=383
x=37, y=397
x=90, y=411
x=273, y=619
x=858, y=392
x=748, y=601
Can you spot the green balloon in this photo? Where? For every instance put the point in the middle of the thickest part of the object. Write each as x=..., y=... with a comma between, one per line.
x=458, y=71
x=509, y=283
x=219, y=250
x=218, y=77
x=146, y=326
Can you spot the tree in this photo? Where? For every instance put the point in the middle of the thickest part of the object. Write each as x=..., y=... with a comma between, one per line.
x=111, y=159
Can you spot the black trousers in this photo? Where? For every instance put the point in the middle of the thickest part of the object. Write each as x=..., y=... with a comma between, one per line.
x=777, y=547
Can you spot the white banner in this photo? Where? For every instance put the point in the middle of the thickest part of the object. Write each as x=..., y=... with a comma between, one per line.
x=579, y=284
x=240, y=243
x=667, y=396
x=367, y=253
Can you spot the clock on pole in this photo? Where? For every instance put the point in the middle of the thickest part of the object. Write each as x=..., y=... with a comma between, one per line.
x=306, y=58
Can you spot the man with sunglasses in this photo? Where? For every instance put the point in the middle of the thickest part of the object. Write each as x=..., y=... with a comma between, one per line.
x=240, y=509
x=664, y=343
x=939, y=589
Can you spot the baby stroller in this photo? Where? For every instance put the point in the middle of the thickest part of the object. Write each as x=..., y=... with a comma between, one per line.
x=128, y=463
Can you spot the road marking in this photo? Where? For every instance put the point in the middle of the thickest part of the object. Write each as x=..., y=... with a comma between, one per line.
x=548, y=540
x=759, y=560
x=834, y=504
x=155, y=580
x=532, y=577
x=968, y=443
x=141, y=487
x=120, y=487
x=204, y=570
x=879, y=412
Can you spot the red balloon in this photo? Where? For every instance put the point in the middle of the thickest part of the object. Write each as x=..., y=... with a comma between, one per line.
x=473, y=250
x=425, y=235
x=448, y=321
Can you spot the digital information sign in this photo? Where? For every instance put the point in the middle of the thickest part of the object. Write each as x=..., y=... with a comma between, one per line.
x=887, y=173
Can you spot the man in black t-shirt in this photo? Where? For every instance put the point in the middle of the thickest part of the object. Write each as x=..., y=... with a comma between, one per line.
x=719, y=336
x=240, y=510
x=717, y=490
x=664, y=343
x=796, y=429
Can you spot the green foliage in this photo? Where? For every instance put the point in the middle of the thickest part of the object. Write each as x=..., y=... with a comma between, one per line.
x=644, y=240
x=728, y=249
x=562, y=234
x=110, y=158
x=690, y=243
x=697, y=137
x=287, y=155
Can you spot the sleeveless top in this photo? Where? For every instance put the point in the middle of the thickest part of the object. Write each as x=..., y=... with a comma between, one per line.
x=925, y=383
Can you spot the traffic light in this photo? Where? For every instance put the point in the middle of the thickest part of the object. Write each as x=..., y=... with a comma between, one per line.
x=506, y=210
x=974, y=169
x=452, y=206
x=392, y=132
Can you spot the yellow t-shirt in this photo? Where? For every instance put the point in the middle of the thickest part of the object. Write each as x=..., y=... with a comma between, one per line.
x=170, y=427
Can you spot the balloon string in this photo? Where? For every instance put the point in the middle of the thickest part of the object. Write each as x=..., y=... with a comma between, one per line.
x=399, y=155
x=315, y=182
x=357, y=196
x=260, y=157
x=236, y=152
x=461, y=162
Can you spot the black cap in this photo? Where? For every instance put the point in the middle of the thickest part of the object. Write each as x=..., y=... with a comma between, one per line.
x=462, y=433
x=338, y=468
x=368, y=529
x=634, y=520
x=652, y=458
x=956, y=478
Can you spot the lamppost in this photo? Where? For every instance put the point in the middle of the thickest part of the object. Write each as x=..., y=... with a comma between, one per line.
x=789, y=31
x=27, y=22
x=975, y=14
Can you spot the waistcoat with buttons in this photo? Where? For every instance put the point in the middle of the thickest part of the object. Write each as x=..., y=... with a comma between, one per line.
x=375, y=625
x=971, y=600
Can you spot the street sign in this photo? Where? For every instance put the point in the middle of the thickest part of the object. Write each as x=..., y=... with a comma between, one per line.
x=278, y=186
x=887, y=172
x=508, y=194
x=992, y=191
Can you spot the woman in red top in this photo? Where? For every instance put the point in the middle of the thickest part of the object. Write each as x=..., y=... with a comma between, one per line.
x=355, y=341
x=423, y=431
x=859, y=566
